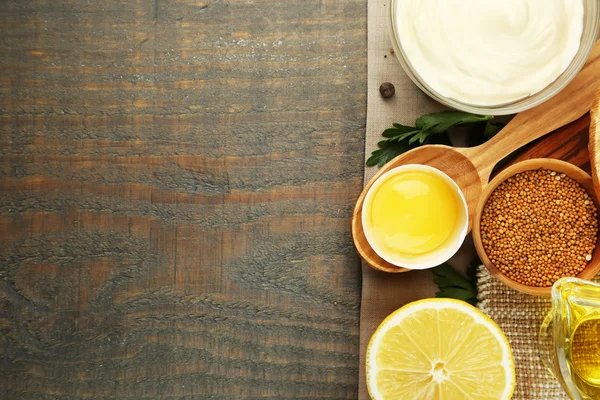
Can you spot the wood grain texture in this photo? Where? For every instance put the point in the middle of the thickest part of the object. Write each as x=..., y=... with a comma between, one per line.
x=594, y=145
x=177, y=180
x=569, y=143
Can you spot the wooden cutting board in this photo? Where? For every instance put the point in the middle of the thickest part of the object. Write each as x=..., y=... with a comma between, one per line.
x=569, y=143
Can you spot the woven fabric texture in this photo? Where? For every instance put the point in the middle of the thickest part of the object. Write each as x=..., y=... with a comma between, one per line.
x=519, y=316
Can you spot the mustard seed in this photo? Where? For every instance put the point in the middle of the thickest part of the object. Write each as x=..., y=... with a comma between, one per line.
x=539, y=226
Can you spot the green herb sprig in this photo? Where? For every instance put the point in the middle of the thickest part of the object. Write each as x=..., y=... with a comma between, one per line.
x=453, y=285
x=431, y=129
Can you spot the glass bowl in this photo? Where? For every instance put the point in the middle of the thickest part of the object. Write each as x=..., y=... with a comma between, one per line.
x=590, y=32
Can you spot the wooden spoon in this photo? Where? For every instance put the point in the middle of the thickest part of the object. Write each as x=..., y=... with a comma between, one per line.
x=594, y=144
x=471, y=167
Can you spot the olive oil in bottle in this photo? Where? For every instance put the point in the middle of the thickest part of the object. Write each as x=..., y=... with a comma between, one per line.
x=570, y=337
x=583, y=356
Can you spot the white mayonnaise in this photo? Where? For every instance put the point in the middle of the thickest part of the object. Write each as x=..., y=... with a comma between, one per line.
x=489, y=52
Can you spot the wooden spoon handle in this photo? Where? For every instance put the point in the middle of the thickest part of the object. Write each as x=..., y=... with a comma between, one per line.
x=566, y=106
x=594, y=145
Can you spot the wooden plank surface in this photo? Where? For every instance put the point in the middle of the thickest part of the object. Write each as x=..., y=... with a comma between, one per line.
x=569, y=143
x=176, y=185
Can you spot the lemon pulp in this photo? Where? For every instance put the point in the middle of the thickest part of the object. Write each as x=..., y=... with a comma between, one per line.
x=413, y=212
x=439, y=349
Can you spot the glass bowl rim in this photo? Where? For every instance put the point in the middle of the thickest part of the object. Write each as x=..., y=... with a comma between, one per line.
x=507, y=108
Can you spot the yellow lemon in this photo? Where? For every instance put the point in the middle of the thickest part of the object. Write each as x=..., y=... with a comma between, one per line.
x=439, y=349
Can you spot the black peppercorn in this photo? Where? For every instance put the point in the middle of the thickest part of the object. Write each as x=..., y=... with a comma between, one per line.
x=387, y=90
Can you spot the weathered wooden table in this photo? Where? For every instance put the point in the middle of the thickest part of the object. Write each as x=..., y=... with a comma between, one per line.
x=177, y=180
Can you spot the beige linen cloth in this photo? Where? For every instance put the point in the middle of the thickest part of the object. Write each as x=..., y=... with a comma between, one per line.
x=518, y=315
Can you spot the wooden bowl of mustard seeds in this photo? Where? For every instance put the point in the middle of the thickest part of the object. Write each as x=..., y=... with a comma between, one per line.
x=536, y=222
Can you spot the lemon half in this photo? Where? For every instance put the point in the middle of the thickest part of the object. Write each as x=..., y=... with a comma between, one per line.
x=439, y=349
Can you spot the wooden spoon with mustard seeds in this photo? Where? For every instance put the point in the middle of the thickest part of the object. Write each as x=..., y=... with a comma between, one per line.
x=471, y=167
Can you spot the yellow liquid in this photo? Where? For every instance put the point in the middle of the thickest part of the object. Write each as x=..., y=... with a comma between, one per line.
x=580, y=313
x=413, y=213
x=585, y=351
x=583, y=356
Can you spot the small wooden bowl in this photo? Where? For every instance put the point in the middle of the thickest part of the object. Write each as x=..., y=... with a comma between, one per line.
x=564, y=167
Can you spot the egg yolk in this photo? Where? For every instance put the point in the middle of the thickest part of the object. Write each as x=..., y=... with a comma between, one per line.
x=414, y=213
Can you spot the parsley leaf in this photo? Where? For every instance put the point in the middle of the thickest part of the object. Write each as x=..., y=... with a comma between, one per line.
x=481, y=132
x=452, y=284
x=428, y=129
x=388, y=150
x=442, y=121
x=392, y=148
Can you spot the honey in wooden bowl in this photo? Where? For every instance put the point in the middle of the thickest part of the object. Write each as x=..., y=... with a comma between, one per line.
x=536, y=223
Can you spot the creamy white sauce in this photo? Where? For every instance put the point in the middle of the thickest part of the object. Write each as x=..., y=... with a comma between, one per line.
x=489, y=52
